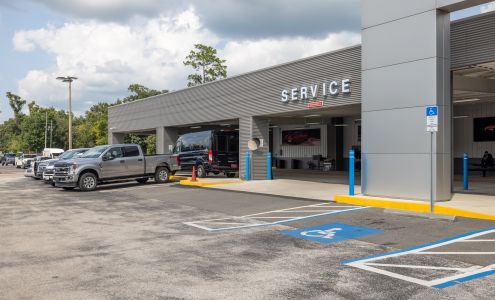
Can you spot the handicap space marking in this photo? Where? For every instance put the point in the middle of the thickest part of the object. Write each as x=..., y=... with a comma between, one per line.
x=377, y=263
x=274, y=217
x=331, y=233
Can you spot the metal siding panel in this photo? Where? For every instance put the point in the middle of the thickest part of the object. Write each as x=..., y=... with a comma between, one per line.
x=473, y=40
x=252, y=94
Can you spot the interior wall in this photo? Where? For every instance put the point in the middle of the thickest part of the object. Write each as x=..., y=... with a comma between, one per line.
x=463, y=130
x=298, y=151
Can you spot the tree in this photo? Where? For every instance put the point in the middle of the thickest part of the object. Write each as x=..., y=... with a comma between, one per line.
x=140, y=92
x=17, y=104
x=207, y=65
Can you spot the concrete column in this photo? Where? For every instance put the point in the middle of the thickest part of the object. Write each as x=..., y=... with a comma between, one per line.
x=165, y=137
x=252, y=127
x=115, y=138
x=405, y=67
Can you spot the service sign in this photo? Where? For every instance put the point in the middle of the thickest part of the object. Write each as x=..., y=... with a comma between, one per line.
x=312, y=93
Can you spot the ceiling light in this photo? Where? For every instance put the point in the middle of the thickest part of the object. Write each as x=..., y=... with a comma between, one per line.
x=341, y=125
x=460, y=117
x=225, y=124
x=195, y=127
x=466, y=100
x=313, y=123
x=312, y=116
x=274, y=126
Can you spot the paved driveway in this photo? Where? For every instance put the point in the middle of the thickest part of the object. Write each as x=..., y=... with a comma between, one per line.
x=156, y=241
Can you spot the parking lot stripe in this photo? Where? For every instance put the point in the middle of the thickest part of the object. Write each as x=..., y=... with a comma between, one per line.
x=422, y=267
x=248, y=219
x=371, y=264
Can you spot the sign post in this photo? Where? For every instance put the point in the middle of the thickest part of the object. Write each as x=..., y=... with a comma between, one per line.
x=431, y=127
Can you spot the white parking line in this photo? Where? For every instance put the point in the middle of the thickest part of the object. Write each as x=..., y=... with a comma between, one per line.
x=372, y=264
x=283, y=215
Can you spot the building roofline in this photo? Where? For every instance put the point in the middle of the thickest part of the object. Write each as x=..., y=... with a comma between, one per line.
x=244, y=74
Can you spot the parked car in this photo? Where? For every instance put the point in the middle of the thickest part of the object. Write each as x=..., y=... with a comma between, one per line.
x=24, y=160
x=113, y=163
x=47, y=167
x=8, y=159
x=35, y=165
x=29, y=172
x=212, y=151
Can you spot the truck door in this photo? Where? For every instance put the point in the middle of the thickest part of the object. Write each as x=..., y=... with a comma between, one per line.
x=113, y=164
x=134, y=161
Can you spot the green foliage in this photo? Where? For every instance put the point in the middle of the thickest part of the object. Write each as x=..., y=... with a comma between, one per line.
x=140, y=92
x=26, y=133
x=208, y=66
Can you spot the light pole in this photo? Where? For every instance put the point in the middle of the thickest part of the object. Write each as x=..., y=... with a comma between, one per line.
x=69, y=79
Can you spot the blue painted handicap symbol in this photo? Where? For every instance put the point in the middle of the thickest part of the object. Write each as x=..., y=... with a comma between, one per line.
x=331, y=233
x=431, y=111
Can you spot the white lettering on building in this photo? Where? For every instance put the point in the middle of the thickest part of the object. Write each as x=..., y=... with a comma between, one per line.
x=333, y=88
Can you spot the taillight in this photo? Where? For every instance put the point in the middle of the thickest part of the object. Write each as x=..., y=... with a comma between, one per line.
x=178, y=160
x=210, y=156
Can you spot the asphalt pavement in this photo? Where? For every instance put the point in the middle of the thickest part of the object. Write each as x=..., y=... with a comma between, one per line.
x=133, y=241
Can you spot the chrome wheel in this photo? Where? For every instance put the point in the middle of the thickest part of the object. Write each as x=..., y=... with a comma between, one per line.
x=89, y=183
x=163, y=175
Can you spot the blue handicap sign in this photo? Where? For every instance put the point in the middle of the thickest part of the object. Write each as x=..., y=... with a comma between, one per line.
x=431, y=111
x=331, y=233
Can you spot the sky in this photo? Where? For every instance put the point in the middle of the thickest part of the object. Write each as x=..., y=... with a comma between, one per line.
x=110, y=44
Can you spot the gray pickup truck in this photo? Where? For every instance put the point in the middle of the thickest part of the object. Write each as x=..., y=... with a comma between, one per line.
x=113, y=163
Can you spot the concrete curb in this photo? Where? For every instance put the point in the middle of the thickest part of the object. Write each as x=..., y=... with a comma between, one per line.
x=411, y=206
x=206, y=183
x=179, y=178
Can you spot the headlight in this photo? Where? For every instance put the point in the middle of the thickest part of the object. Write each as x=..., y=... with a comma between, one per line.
x=72, y=169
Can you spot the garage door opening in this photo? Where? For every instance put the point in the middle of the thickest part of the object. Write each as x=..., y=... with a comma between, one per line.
x=474, y=127
x=313, y=145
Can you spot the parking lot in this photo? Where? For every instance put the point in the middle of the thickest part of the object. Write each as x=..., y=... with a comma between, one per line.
x=169, y=241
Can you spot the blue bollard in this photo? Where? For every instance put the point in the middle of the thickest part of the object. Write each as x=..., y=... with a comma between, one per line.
x=351, y=172
x=269, y=162
x=248, y=167
x=466, y=171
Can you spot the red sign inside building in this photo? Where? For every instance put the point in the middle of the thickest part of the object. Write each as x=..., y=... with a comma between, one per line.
x=315, y=104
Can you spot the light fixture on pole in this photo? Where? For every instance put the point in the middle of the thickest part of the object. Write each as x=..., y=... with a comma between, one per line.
x=69, y=79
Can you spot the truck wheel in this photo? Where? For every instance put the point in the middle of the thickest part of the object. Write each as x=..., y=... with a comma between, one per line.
x=88, y=182
x=142, y=180
x=201, y=171
x=162, y=175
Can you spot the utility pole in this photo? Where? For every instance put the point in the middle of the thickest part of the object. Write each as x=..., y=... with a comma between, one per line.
x=51, y=133
x=46, y=126
x=69, y=79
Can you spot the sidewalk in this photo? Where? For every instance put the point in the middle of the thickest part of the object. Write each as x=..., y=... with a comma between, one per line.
x=462, y=205
x=291, y=188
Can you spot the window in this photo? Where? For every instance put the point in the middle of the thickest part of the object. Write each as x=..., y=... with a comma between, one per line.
x=196, y=141
x=233, y=141
x=131, y=151
x=221, y=143
x=178, y=146
x=115, y=152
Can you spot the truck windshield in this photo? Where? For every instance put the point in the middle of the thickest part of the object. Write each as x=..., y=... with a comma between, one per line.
x=95, y=152
x=67, y=154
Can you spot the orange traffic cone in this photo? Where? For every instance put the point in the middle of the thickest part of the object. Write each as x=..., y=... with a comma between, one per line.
x=193, y=176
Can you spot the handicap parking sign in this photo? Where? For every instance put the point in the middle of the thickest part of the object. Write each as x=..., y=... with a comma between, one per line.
x=331, y=233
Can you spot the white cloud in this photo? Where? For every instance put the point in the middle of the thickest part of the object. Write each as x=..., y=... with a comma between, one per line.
x=488, y=7
x=246, y=56
x=107, y=56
